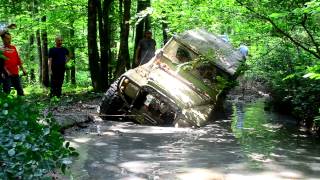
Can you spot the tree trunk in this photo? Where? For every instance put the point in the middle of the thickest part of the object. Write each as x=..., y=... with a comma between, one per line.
x=106, y=42
x=45, y=74
x=147, y=20
x=113, y=38
x=72, y=56
x=30, y=56
x=40, y=54
x=164, y=29
x=102, y=19
x=123, y=56
x=67, y=75
x=92, y=45
x=142, y=26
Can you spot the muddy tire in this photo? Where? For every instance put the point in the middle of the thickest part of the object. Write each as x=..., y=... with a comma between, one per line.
x=111, y=102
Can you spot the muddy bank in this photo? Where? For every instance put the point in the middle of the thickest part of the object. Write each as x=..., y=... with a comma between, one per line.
x=248, y=90
x=75, y=113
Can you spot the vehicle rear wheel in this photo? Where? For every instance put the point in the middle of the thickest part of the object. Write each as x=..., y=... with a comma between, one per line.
x=111, y=102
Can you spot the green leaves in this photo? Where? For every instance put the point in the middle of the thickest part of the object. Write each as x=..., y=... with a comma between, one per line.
x=11, y=152
x=313, y=72
x=28, y=148
x=278, y=15
x=315, y=76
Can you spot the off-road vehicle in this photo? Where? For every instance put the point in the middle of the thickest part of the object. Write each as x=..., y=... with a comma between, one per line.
x=179, y=86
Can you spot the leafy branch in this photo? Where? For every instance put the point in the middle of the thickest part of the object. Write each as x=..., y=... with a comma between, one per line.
x=284, y=33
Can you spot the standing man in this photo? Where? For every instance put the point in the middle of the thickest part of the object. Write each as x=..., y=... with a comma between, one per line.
x=146, y=49
x=11, y=66
x=58, y=57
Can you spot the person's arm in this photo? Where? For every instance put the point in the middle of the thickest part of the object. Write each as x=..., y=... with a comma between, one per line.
x=21, y=64
x=68, y=56
x=49, y=65
x=23, y=70
x=7, y=71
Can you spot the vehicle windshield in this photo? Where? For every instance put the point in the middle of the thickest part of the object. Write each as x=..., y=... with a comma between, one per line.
x=178, y=53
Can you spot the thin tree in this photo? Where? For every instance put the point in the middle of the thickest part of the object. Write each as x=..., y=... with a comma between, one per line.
x=92, y=45
x=123, y=56
x=44, y=50
x=72, y=55
x=104, y=32
x=39, y=47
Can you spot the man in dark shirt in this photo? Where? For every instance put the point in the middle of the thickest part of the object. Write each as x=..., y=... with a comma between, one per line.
x=146, y=49
x=58, y=57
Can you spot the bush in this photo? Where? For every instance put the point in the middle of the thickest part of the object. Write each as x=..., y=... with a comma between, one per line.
x=30, y=143
x=284, y=70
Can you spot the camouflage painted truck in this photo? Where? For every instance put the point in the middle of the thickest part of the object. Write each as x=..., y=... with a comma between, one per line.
x=179, y=86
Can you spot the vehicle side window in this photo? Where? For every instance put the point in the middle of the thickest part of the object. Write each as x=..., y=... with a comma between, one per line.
x=177, y=53
x=183, y=55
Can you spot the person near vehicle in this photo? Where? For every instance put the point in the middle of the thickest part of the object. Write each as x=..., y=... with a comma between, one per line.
x=11, y=66
x=244, y=50
x=146, y=49
x=58, y=57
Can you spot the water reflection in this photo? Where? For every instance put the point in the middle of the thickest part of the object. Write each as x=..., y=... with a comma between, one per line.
x=242, y=142
x=273, y=142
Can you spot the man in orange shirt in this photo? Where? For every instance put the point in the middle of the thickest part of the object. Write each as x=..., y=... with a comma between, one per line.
x=11, y=66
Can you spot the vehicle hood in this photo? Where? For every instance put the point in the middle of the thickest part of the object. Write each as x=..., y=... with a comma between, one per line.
x=182, y=92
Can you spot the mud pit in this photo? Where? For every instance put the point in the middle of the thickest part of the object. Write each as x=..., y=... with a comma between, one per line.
x=224, y=149
x=242, y=142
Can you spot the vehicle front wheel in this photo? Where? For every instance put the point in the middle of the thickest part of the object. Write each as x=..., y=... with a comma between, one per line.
x=111, y=102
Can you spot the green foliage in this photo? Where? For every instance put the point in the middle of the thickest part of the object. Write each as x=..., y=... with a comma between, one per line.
x=283, y=37
x=284, y=71
x=31, y=145
x=313, y=72
x=317, y=119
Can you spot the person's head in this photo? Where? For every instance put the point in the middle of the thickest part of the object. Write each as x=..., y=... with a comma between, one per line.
x=6, y=38
x=58, y=41
x=148, y=34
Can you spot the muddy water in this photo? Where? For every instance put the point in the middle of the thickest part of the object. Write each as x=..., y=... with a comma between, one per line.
x=242, y=142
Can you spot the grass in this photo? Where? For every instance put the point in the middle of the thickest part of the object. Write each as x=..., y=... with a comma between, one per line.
x=39, y=95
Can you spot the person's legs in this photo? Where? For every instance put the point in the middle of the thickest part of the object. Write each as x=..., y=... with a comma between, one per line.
x=53, y=85
x=7, y=84
x=16, y=83
x=60, y=82
x=57, y=78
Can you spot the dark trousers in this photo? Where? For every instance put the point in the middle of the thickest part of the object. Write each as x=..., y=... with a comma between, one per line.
x=12, y=81
x=57, y=78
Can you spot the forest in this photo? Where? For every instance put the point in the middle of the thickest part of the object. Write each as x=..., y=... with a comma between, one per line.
x=102, y=35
